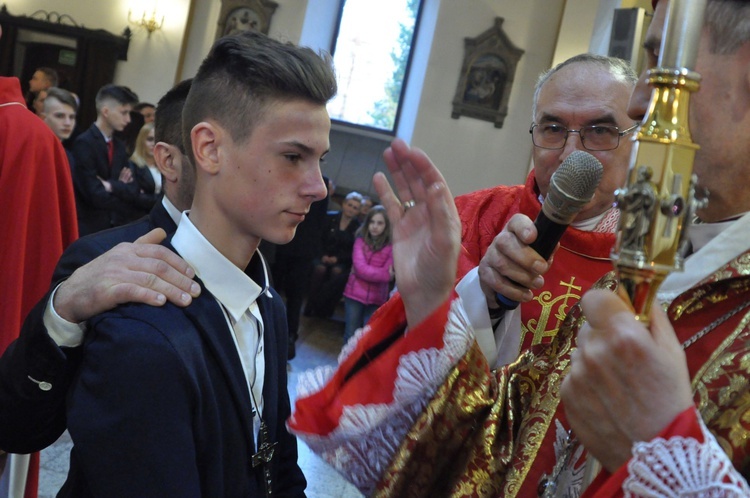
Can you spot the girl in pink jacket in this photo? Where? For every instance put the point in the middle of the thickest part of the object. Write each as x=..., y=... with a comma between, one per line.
x=372, y=271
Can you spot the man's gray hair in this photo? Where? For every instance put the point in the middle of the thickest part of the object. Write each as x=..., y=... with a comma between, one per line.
x=617, y=67
x=354, y=195
x=728, y=23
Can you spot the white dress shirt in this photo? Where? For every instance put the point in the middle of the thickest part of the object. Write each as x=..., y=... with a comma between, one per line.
x=236, y=293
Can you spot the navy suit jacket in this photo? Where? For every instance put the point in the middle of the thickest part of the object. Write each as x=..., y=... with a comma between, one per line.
x=94, y=204
x=161, y=406
x=139, y=195
x=31, y=418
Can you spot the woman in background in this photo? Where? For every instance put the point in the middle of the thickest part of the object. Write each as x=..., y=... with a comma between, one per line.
x=146, y=185
x=331, y=268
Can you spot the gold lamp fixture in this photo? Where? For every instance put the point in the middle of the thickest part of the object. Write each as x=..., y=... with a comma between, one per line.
x=148, y=22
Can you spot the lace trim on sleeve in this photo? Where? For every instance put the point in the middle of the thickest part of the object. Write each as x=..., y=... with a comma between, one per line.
x=368, y=436
x=681, y=466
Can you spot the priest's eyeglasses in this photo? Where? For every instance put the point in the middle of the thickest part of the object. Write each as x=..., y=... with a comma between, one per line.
x=595, y=137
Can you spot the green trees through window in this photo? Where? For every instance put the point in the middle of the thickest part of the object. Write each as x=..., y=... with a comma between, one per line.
x=372, y=52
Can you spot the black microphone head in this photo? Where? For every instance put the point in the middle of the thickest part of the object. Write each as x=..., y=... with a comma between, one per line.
x=572, y=186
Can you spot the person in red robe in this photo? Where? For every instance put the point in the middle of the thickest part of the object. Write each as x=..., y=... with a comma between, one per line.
x=665, y=407
x=36, y=197
x=675, y=398
x=496, y=230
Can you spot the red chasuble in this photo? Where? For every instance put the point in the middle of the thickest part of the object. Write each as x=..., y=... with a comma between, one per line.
x=470, y=387
x=712, y=321
x=504, y=433
x=38, y=213
x=582, y=258
x=420, y=413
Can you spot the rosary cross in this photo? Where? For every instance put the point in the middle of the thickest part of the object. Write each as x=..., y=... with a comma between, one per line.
x=264, y=456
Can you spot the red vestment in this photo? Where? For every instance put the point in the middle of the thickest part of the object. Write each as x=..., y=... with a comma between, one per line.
x=718, y=366
x=583, y=256
x=39, y=215
x=420, y=412
x=582, y=259
x=484, y=433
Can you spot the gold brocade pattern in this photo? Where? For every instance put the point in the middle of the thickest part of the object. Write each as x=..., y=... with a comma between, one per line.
x=564, y=284
x=722, y=388
x=481, y=432
x=553, y=311
x=697, y=298
x=485, y=434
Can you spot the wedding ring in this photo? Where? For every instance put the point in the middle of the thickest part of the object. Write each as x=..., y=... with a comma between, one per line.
x=409, y=204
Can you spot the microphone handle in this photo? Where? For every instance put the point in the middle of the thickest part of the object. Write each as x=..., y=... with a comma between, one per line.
x=549, y=234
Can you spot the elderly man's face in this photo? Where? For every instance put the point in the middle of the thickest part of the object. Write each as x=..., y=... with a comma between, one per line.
x=579, y=95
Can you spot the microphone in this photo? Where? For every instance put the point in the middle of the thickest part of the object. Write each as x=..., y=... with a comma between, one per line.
x=571, y=187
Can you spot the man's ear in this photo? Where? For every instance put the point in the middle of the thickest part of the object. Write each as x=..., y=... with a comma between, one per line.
x=164, y=159
x=207, y=138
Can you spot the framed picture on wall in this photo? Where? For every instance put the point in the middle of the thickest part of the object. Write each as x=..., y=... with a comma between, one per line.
x=244, y=15
x=486, y=77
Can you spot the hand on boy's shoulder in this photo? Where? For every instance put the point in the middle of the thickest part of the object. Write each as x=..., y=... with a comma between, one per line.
x=139, y=272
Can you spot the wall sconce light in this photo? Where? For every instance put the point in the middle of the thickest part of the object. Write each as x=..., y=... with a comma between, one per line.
x=149, y=23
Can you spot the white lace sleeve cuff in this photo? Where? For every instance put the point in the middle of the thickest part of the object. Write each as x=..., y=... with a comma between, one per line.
x=368, y=435
x=682, y=466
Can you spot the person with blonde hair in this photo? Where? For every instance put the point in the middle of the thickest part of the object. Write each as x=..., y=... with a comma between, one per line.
x=146, y=185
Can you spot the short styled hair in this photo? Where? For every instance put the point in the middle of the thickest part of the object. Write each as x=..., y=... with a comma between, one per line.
x=117, y=93
x=62, y=96
x=617, y=67
x=142, y=105
x=50, y=74
x=244, y=73
x=168, y=116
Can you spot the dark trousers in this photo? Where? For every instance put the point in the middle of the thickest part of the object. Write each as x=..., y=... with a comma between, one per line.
x=291, y=275
x=326, y=289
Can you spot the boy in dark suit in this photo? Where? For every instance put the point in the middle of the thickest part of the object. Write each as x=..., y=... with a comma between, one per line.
x=192, y=401
x=95, y=274
x=99, y=158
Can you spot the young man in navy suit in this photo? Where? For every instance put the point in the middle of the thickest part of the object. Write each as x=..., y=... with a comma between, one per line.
x=100, y=157
x=94, y=274
x=192, y=401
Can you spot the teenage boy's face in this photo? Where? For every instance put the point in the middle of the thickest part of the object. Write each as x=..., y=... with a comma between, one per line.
x=274, y=175
x=117, y=115
x=60, y=117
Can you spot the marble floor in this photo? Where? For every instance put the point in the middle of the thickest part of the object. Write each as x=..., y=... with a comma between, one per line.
x=319, y=343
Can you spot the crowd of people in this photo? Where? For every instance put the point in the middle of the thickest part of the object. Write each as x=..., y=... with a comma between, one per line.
x=162, y=344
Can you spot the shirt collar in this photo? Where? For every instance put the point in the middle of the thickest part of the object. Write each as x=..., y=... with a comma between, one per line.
x=232, y=287
x=106, y=138
x=172, y=211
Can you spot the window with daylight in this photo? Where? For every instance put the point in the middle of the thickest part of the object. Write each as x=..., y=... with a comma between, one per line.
x=372, y=53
